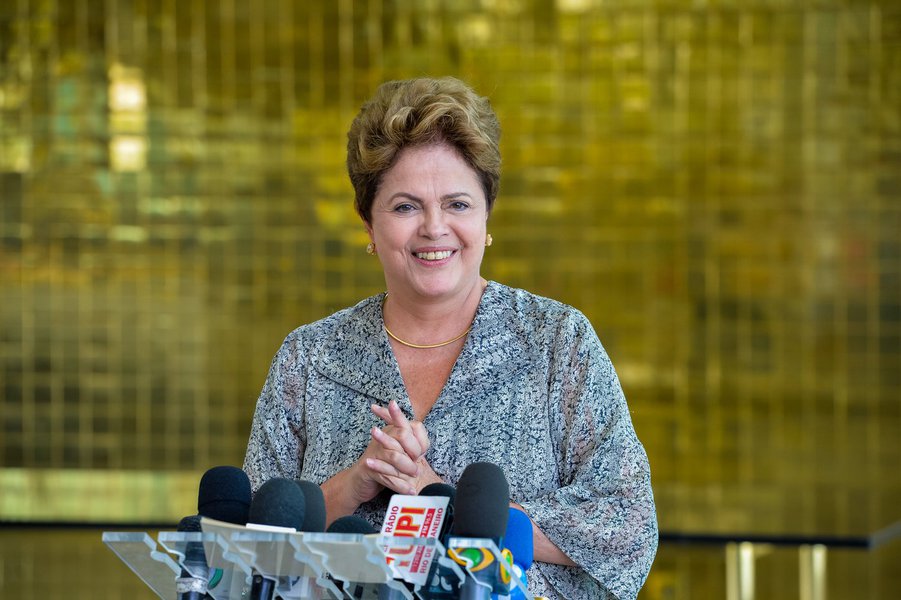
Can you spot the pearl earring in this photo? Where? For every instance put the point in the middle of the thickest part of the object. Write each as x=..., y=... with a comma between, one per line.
x=489, y=240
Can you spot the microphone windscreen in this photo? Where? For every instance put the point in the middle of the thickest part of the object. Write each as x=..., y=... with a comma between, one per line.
x=351, y=524
x=440, y=489
x=482, y=503
x=518, y=538
x=279, y=502
x=224, y=495
x=314, y=503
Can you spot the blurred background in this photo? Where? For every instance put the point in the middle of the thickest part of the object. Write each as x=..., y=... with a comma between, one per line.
x=715, y=183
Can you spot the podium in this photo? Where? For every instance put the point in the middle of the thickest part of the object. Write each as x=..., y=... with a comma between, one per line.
x=317, y=566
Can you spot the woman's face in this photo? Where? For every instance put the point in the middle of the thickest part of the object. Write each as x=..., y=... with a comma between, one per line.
x=428, y=223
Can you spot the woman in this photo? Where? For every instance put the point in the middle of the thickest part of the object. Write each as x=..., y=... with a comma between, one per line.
x=445, y=369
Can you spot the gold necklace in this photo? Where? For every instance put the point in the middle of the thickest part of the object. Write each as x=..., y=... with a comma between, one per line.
x=411, y=344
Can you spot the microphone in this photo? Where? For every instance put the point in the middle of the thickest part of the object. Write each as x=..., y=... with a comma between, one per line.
x=278, y=503
x=224, y=495
x=519, y=549
x=192, y=584
x=314, y=511
x=351, y=524
x=482, y=502
x=481, y=511
x=448, y=491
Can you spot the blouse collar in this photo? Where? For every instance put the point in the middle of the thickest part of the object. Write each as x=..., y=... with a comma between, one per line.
x=359, y=356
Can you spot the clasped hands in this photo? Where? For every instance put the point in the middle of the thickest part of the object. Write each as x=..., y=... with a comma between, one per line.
x=395, y=456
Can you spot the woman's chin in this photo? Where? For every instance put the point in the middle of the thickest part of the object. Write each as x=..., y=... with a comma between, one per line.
x=436, y=287
x=435, y=291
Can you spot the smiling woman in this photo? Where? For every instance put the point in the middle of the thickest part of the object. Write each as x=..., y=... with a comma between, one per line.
x=446, y=369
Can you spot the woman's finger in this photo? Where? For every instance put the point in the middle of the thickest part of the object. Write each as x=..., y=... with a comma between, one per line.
x=408, y=440
x=414, y=438
x=390, y=477
x=393, y=453
x=392, y=414
x=412, y=435
x=398, y=417
x=422, y=436
x=387, y=440
x=381, y=412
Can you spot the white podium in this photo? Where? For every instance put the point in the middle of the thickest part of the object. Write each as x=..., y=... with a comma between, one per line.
x=315, y=566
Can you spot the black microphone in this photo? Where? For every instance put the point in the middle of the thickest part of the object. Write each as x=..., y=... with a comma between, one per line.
x=193, y=584
x=224, y=495
x=481, y=507
x=351, y=524
x=279, y=502
x=449, y=491
x=314, y=511
x=481, y=510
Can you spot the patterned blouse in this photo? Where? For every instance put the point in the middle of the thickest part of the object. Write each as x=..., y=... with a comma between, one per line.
x=532, y=391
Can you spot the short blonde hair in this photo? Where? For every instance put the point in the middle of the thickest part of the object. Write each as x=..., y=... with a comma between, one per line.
x=416, y=112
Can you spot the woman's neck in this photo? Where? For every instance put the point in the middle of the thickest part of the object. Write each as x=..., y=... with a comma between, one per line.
x=424, y=320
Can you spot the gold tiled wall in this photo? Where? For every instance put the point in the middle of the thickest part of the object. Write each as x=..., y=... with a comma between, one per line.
x=717, y=185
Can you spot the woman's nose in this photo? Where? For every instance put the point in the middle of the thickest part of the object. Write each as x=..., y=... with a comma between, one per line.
x=433, y=223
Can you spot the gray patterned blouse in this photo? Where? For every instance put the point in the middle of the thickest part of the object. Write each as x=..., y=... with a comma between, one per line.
x=532, y=391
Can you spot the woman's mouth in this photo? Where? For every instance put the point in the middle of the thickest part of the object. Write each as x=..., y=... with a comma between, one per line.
x=441, y=255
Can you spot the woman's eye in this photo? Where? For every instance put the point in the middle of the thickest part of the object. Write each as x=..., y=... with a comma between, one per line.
x=403, y=208
x=459, y=205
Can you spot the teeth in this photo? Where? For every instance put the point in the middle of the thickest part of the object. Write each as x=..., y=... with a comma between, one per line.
x=434, y=255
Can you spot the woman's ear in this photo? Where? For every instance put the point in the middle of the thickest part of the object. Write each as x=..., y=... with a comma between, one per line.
x=370, y=247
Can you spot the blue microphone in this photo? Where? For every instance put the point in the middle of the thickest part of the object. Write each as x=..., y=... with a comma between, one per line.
x=519, y=549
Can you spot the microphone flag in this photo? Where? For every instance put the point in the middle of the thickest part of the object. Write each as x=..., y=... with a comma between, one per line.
x=416, y=517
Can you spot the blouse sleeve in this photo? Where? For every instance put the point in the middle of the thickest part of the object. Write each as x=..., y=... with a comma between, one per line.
x=277, y=438
x=603, y=515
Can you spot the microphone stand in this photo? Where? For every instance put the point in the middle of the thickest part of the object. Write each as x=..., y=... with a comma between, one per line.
x=471, y=590
x=262, y=588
